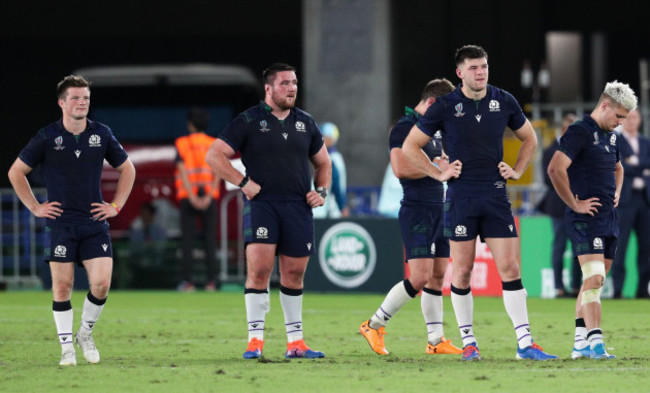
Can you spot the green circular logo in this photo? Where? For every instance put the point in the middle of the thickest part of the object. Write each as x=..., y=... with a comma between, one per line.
x=347, y=255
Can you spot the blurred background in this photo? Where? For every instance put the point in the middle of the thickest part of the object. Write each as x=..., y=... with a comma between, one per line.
x=359, y=63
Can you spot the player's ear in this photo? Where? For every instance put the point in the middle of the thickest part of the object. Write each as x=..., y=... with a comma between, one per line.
x=459, y=73
x=431, y=100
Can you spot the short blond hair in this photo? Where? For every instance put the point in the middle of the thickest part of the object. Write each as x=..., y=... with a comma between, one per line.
x=620, y=93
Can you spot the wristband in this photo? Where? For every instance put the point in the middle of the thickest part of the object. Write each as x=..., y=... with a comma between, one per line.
x=117, y=208
x=322, y=192
x=244, y=181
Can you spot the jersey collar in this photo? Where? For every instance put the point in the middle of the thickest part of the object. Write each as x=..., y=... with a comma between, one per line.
x=408, y=111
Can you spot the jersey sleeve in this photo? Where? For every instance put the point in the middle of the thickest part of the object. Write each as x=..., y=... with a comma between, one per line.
x=432, y=119
x=316, y=139
x=517, y=118
x=572, y=142
x=33, y=153
x=235, y=133
x=115, y=154
x=398, y=135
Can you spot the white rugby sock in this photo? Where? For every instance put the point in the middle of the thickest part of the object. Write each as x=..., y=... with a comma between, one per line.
x=431, y=304
x=256, y=305
x=396, y=298
x=595, y=337
x=580, y=341
x=291, y=300
x=514, y=299
x=463, y=303
x=63, y=318
x=92, y=310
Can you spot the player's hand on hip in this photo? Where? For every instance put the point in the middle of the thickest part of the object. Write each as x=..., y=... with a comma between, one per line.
x=453, y=169
x=507, y=172
x=48, y=209
x=587, y=206
x=251, y=189
x=314, y=199
x=103, y=211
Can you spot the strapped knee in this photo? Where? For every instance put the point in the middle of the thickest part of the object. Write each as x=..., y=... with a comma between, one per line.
x=590, y=269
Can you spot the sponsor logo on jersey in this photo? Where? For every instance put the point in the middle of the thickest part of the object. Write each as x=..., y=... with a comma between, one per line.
x=459, y=110
x=58, y=141
x=60, y=251
x=285, y=135
x=95, y=141
x=460, y=231
x=598, y=243
x=262, y=233
x=105, y=246
x=347, y=255
x=494, y=106
x=511, y=227
x=433, y=248
x=77, y=153
x=499, y=184
x=478, y=118
x=309, y=246
x=300, y=126
x=263, y=126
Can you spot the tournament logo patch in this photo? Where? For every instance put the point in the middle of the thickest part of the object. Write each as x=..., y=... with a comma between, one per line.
x=494, y=106
x=263, y=125
x=460, y=230
x=60, y=251
x=347, y=255
x=58, y=141
x=262, y=233
x=94, y=141
x=459, y=110
x=300, y=126
x=596, y=137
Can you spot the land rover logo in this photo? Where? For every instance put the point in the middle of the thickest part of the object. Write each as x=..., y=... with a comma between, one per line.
x=347, y=255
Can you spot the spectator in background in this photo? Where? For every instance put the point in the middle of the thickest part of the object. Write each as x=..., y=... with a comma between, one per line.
x=634, y=205
x=554, y=207
x=147, y=237
x=197, y=189
x=337, y=205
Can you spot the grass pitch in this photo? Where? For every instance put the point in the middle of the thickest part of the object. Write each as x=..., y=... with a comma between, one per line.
x=193, y=342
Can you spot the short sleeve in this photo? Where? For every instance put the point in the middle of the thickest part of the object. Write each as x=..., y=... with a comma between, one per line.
x=572, y=142
x=33, y=153
x=432, y=119
x=316, y=140
x=115, y=154
x=398, y=135
x=235, y=133
x=517, y=118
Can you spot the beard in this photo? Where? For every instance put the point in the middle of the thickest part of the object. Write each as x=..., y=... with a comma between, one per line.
x=284, y=103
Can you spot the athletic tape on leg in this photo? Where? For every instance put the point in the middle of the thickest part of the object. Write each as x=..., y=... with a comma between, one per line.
x=590, y=269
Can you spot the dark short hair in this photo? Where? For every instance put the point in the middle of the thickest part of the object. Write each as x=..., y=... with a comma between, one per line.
x=68, y=82
x=199, y=118
x=469, y=52
x=268, y=75
x=436, y=88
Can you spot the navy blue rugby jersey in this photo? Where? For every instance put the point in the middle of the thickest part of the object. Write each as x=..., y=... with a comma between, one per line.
x=276, y=153
x=424, y=191
x=472, y=132
x=72, y=166
x=594, y=154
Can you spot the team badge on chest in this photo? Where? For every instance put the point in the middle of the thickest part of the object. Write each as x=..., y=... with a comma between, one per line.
x=94, y=141
x=300, y=126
